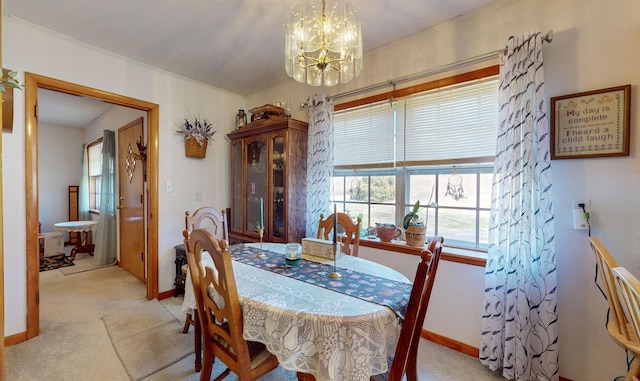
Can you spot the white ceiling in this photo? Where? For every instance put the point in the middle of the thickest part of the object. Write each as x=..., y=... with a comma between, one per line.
x=69, y=110
x=237, y=45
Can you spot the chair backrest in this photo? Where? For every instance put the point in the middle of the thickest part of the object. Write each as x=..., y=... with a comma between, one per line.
x=210, y=219
x=618, y=324
x=405, y=357
x=217, y=297
x=628, y=287
x=351, y=238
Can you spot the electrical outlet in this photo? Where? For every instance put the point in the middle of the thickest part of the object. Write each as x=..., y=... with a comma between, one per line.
x=576, y=204
x=579, y=220
x=198, y=195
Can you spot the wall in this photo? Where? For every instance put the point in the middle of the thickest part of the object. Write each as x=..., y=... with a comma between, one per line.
x=594, y=47
x=113, y=119
x=27, y=47
x=59, y=165
x=456, y=300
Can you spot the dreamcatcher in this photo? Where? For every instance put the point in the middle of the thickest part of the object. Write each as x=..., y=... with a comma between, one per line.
x=355, y=192
x=454, y=186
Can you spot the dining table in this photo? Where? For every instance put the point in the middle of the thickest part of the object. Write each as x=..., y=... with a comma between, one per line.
x=83, y=244
x=340, y=329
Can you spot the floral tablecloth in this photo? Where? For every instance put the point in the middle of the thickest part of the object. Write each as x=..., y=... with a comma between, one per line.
x=312, y=329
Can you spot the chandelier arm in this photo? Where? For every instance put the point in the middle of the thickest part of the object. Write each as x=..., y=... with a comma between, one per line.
x=317, y=61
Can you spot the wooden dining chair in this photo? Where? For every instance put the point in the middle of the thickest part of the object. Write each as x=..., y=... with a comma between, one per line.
x=628, y=287
x=213, y=221
x=404, y=360
x=210, y=219
x=619, y=327
x=220, y=314
x=351, y=238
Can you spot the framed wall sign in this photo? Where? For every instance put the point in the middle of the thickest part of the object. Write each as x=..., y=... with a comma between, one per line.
x=591, y=124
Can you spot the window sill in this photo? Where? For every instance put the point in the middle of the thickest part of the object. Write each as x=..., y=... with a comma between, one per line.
x=452, y=254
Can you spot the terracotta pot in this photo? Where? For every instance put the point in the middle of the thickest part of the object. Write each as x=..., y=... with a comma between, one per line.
x=416, y=235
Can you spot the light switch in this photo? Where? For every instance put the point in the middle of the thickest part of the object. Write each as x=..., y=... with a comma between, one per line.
x=168, y=187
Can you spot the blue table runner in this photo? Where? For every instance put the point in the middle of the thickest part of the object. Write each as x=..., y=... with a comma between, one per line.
x=371, y=288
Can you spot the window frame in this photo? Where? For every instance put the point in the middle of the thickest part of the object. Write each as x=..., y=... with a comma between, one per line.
x=94, y=181
x=437, y=167
x=403, y=201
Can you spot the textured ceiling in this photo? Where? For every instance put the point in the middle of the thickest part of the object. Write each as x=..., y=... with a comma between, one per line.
x=237, y=45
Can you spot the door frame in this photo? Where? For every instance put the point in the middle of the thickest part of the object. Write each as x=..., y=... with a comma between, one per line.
x=32, y=83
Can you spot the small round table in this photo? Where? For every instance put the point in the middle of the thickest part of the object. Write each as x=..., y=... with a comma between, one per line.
x=82, y=245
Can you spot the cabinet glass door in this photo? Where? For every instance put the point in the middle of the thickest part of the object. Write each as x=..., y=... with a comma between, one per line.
x=256, y=167
x=278, y=163
x=236, y=187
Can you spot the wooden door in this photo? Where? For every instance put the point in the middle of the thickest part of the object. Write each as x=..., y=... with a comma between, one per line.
x=131, y=199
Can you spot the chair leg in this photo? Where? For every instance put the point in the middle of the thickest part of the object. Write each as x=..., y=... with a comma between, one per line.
x=187, y=323
x=412, y=369
x=207, y=367
x=197, y=342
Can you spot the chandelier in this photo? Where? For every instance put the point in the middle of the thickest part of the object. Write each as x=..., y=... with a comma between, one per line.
x=323, y=46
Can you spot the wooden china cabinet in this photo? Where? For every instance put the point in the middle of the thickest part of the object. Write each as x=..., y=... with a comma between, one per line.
x=269, y=162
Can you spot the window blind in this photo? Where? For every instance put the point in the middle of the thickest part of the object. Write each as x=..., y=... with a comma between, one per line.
x=456, y=122
x=453, y=123
x=365, y=135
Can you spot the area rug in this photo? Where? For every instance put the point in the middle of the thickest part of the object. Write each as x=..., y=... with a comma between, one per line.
x=54, y=262
x=147, y=338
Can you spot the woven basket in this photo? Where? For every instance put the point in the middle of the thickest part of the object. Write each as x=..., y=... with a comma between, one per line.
x=193, y=149
x=416, y=235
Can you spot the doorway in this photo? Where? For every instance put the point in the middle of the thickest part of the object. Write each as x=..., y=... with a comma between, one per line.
x=32, y=83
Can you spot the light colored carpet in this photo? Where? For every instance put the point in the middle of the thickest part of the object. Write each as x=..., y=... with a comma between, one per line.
x=147, y=338
x=82, y=263
x=65, y=351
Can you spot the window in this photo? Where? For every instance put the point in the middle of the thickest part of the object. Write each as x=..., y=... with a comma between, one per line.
x=436, y=146
x=94, y=156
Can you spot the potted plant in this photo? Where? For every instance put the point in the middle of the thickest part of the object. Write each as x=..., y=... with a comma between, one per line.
x=196, y=134
x=9, y=80
x=414, y=228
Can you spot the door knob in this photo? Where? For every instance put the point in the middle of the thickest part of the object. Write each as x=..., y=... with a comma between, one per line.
x=121, y=206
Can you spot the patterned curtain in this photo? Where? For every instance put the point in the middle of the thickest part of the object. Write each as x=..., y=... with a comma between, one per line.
x=519, y=317
x=83, y=188
x=319, y=160
x=106, y=249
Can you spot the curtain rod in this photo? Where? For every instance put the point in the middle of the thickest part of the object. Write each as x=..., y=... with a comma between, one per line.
x=437, y=70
